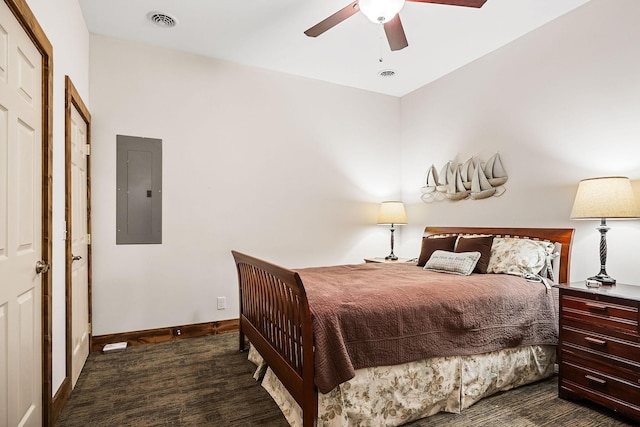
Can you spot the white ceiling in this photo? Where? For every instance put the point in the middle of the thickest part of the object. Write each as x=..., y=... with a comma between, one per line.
x=269, y=34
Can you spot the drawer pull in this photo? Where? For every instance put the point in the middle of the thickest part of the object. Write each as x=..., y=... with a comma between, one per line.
x=596, y=307
x=595, y=341
x=593, y=379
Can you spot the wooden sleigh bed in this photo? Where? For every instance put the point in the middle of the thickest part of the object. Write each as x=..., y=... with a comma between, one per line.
x=277, y=319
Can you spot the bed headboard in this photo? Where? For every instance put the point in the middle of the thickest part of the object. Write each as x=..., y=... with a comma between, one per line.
x=563, y=236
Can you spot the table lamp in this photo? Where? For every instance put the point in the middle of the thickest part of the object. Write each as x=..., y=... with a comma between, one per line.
x=392, y=213
x=605, y=198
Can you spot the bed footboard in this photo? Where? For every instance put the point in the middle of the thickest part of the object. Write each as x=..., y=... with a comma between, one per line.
x=275, y=317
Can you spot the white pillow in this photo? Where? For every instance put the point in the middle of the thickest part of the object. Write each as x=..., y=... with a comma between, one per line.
x=517, y=256
x=461, y=263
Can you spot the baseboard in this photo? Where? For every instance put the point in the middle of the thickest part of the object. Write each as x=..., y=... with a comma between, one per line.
x=150, y=336
x=60, y=399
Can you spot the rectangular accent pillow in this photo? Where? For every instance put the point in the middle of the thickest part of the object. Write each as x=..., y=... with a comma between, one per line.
x=480, y=244
x=461, y=263
x=431, y=244
x=517, y=256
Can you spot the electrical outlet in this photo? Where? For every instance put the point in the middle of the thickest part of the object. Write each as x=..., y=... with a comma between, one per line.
x=222, y=303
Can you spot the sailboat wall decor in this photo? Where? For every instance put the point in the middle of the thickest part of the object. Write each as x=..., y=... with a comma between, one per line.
x=472, y=179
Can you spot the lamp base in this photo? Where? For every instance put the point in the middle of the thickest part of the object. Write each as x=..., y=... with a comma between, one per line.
x=391, y=257
x=604, y=278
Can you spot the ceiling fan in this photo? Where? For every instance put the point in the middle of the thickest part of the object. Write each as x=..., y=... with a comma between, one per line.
x=383, y=12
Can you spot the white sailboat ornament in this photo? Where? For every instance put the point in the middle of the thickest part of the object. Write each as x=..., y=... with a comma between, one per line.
x=480, y=186
x=429, y=191
x=494, y=171
x=443, y=179
x=473, y=179
x=455, y=187
x=466, y=172
x=431, y=181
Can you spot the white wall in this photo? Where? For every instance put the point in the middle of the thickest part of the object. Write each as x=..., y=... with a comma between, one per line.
x=285, y=168
x=560, y=104
x=64, y=26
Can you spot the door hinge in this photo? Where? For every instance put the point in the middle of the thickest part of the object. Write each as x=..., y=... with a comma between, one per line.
x=88, y=150
x=89, y=329
x=88, y=239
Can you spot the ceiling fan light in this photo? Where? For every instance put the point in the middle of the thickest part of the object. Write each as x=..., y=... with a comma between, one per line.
x=380, y=11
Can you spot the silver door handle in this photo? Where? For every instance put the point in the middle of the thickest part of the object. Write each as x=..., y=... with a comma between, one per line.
x=42, y=267
x=76, y=258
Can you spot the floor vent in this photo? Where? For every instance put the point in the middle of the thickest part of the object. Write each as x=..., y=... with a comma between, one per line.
x=115, y=347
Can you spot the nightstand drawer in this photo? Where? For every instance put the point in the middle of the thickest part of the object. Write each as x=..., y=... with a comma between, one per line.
x=595, y=342
x=607, y=364
x=601, y=311
x=600, y=383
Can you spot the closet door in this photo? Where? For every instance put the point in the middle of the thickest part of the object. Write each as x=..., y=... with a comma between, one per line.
x=21, y=270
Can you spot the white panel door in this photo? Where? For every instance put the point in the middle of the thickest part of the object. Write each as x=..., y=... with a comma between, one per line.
x=79, y=265
x=20, y=225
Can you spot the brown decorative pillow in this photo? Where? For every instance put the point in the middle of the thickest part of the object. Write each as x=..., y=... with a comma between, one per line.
x=477, y=244
x=432, y=244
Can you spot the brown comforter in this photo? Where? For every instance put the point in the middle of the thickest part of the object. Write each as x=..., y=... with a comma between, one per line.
x=385, y=314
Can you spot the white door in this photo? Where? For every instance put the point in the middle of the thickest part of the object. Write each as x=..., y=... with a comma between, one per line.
x=20, y=225
x=79, y=265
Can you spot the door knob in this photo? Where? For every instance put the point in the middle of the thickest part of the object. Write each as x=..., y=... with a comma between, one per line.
x=42, y=267
x=76, y=258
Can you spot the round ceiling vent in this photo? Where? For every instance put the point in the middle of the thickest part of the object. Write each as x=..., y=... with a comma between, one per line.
x=162, y=19
x=387, y=73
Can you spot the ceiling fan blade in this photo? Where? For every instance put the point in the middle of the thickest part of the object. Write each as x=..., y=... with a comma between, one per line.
x=467, y=3
x=333, y=20
x=395, y=34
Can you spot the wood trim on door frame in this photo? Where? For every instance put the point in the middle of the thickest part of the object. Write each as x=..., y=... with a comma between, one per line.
x=27, y=20
x=72, y=98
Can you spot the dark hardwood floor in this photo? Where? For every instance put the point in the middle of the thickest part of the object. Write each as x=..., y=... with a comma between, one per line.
x=207, y=382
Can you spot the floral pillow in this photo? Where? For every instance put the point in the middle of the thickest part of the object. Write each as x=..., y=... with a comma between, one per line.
x=518, y=256
x=461, y=263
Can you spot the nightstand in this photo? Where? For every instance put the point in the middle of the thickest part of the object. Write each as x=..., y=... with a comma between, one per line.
x=599, y=346
x=381, y=259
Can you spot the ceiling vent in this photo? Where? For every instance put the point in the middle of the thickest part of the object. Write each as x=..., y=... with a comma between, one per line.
x=162, y=19
x=386, y=73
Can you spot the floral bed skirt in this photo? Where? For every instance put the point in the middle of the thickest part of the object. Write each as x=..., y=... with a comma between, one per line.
x=394, y=395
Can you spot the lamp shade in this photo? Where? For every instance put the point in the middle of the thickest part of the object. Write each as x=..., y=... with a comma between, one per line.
x=392, y=213
x=380, y=11
x=607, y=197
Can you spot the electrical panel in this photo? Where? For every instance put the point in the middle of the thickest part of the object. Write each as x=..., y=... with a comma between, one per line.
x=139, y=190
